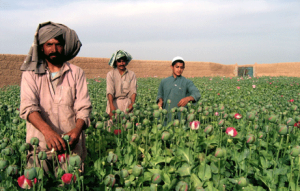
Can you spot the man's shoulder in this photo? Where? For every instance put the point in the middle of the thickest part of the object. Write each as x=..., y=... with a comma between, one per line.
x=130, y=72
x=167, y=79
x=74, y=67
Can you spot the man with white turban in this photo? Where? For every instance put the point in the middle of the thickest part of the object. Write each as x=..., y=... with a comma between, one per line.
x=120, y=84
x=54, y=94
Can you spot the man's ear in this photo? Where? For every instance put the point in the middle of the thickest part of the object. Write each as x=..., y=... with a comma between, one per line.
x=171, y=67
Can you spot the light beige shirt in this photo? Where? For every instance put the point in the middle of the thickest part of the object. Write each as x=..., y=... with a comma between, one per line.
x=121, y=87
x=61, y=109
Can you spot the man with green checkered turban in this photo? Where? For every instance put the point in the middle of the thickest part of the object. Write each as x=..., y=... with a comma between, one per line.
x=120, y=84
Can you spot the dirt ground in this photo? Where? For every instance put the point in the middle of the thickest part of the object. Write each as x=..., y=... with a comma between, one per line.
x=98, y=67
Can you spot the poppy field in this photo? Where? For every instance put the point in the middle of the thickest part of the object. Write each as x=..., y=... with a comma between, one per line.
x=243, y=134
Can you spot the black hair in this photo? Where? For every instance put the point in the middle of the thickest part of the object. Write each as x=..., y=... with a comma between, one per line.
x=176, y=61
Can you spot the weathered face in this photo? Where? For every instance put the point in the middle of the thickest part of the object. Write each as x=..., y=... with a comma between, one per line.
x=121, y=64
x=177, y=69
x=53, y=50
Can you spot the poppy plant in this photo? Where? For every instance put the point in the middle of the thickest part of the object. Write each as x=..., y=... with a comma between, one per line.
x=194, y=125
x=238, y=116
x=117, y=131
x=67, y=178
x=25, y=183
x=231, y=131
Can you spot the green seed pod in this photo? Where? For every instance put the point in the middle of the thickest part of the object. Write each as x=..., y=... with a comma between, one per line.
x=165, y=112
x=206, y=113
x=122, y=114
x=8, y=151
x=221, y=122
x=159, y=126
x=165, y=136
x=119, y=189
x=15, y=121
x=199, y=109
x=250, y=116
x=267, y=128
x=261, y=135
x=153, y=187
x=124, y=121
x=155, y=107
x=176, y=123
x=112, y=157
x=181, y=186
x=127, y=183
x=250, y=139
x=209, y=129
x=294, y=107
x=137, y=112
x=174, y=110
x=273, y=118
x=109, y=180
x=124, y=173
x=34, y=141
x=75, y=160
x=224, y=116
x=156, y=178
x=12, y=170
x=128, y=125
x=243, y=182
x=190, y=117
x=290, y=122
x=182, y=109
x=192, y=111
x=283, y=129
x=168, y=101
x=118, y=111
x=42, y=155
x=24, y=147
x=99, y=125
x=30, y=173
x=66, y=138
x=156, y=114
x=146, y=122
x=295, y=151
x=137, y=170
x=256, y=127
x=3, y=145
x=220, y=153
x=3, y=164
x=221, y=107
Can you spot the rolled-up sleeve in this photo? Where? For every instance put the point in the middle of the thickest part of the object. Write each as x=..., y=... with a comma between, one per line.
x=110, y=84
x=29, y=95
x=132, y=86
x=193, y=91
x=82, y=104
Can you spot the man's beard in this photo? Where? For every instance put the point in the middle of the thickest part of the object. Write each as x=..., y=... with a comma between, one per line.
x=58, y=60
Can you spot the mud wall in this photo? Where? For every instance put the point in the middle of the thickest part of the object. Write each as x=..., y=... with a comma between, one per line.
x=98, y=67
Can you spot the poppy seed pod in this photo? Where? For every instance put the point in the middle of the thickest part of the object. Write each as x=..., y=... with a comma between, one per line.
x=75, y=160
x=137, y=170
x=34, y=141
x=295, y=151
x=181, y=186
x=42, y=155
x=156, y=178
x=165, y=136
x=30, y=173
x=250, y=139
x=243, y=182
x=220, y=153
x=209, y=129
x=109, y=180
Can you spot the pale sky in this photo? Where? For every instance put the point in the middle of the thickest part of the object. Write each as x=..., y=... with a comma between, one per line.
x=221, y=31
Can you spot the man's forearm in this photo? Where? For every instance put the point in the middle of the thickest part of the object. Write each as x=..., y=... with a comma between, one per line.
x=80, y=124
x=133, y=98
x=37, y=121
x=110, y=100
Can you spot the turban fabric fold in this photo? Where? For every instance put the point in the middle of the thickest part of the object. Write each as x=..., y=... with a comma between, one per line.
x=45, y=32
x=117, y=55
